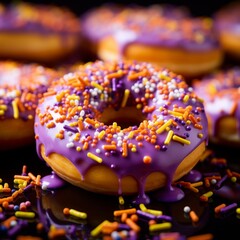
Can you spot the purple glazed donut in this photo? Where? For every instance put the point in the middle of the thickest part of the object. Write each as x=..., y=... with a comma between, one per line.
x=40, y=33
x=121, y=128
x=220, y=92
x=21, y=85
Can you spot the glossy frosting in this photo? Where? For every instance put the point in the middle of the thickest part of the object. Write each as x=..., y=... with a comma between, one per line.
x=220, y=92
x=21, y=85
x=68, y=120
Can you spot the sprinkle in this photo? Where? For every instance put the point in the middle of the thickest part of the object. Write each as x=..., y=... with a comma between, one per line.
x=206, y=236
x=238, y=210
x=186, y=209
x=132, y=225
x=219, y=207
x=228, y=208
x=121, y=200
x=96, y=231
x=24, y=214
x=118, y=213
x=180, y=139
x=101, y=134
x=164, y=126
x=125, y=97
x=94, y=157
x=160, y=226
x=74, y=213
x=193, y=216
x=147, y=159
x=169, y=137
x=15, y=109
x=96, y=85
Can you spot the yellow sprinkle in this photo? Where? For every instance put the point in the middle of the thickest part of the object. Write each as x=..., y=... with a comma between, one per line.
x=2, y=112
x=96, y=85
x=121, y=200
x=180, y=139
x=208, y=194
x=94, y=157
x=160, y=226
x=96, y=231
x=139, y=106
x=186, y=98
x=142, y=207
x=73, y=97
x=238, y=210
x=125, y=97
x=73, y=124
x=169, y=137
x=197, y=184
x=77, y=214
x=24, y=214
x=176, y=114
x=15, y=109
x=154, y=212
x=164, y=126
x=101, y=134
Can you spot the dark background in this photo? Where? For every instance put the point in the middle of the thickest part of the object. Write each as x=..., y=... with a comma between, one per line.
x=197, y=7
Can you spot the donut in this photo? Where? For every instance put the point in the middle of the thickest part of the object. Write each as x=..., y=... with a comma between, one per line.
x=102, y=20
x=227, y=23
x=20, y=87
x=37, y=32
x=122, y=127
x=187, y=45
x=220, y=93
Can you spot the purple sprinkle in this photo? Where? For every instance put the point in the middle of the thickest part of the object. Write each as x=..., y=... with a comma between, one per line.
x=71, y=129
x=164, y=217
x=221, y=181
x=146, y=214
x=228, y=208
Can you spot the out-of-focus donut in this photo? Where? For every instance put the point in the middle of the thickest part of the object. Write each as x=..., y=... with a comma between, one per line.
x=40, y=33
x=21, y=85
x=221, y=96
x=103, y=20
x=121, y=128
x=186, y=45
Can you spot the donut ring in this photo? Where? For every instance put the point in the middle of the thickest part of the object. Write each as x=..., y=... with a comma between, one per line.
x=220, y=92
x=39, y=33
x=186, y=45
x=120, y=127
x=20, y=87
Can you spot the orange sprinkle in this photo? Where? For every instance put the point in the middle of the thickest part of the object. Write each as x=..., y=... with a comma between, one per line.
x=132, y=225
x=125, y=150
x=147, y=159
x=118, y=213
x=219, y=207
x=109, y=147
x=206, y=236
x=193, y=216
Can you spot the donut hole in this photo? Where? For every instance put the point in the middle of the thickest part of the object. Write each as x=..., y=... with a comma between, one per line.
x=124, y=117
